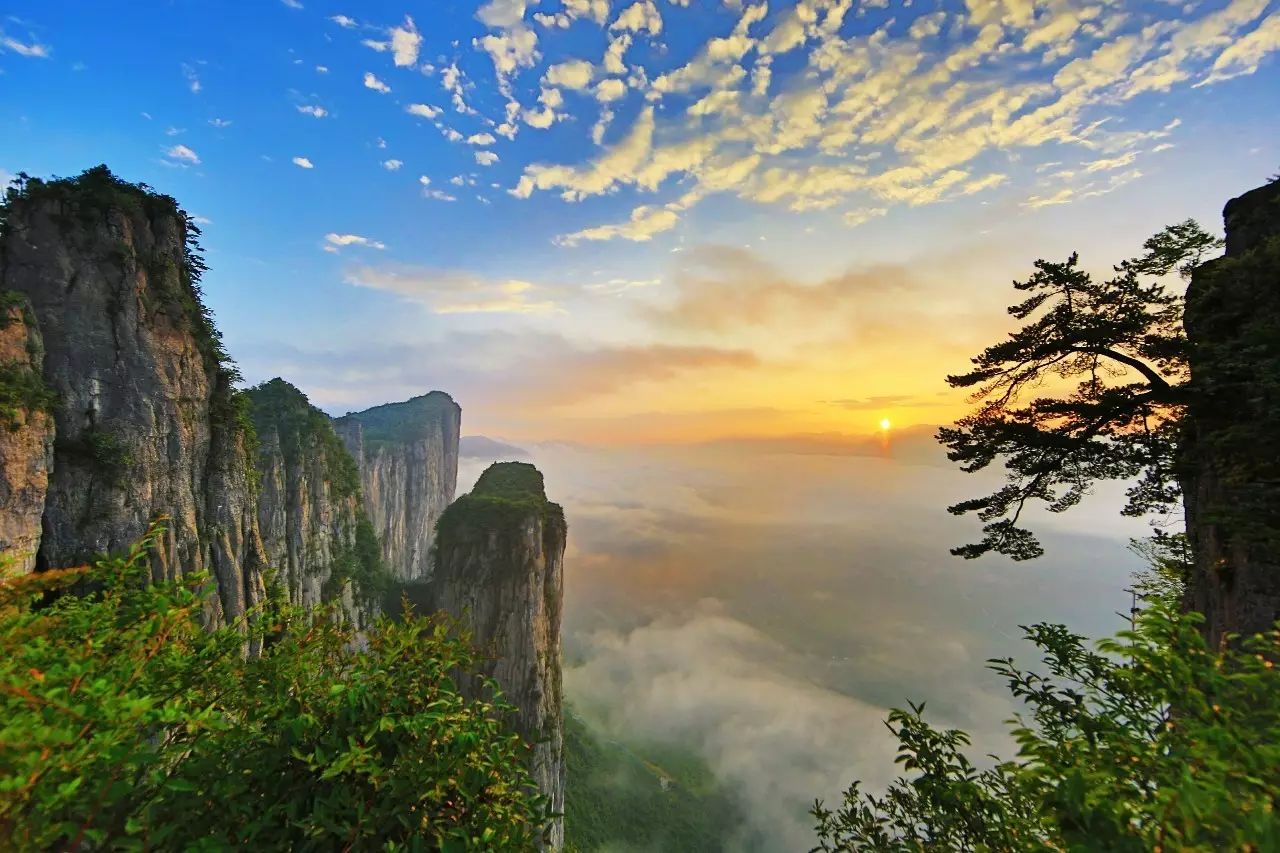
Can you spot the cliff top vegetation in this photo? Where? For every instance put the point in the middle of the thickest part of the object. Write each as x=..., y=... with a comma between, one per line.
x=399, y=423
x=504, y=496
x=279, y=407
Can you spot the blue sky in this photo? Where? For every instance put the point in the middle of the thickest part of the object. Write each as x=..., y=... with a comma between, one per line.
x=630, y=220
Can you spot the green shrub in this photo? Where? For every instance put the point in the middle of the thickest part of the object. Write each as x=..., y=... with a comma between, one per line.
x=125, y=725
x=1153, y=742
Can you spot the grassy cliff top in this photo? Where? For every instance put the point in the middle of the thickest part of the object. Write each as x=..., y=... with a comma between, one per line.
x=303, y=429
x=504, y=498
x=405, y=421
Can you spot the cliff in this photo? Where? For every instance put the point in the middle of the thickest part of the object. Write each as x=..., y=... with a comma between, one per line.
x=26, y=432
x=146, y=422
x=499, y=568
x=407, y=454
x=310, y=513
x=1231, y=474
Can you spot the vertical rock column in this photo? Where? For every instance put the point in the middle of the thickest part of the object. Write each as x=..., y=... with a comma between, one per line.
x=1232, y=451
x=500, y=570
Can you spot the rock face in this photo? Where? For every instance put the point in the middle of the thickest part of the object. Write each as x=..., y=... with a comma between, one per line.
x=314, y=529
x=145, y=422
x=500, y=570
x=407, y=454
x=26, y=433
x=1232, y=458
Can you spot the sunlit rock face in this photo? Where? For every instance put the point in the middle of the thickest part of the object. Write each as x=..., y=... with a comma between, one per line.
x=500, y=569
x=407, y=454
x=1231, y=472
x=26, y=434
x=309, y=506
x=144, y=422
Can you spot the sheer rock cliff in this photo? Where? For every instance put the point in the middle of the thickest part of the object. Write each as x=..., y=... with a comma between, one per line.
x=145, y=423
x=407, y=454
x=500, y=570
x=1231, y=479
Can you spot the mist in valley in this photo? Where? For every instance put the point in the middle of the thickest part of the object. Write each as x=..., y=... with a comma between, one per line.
x=763, y=605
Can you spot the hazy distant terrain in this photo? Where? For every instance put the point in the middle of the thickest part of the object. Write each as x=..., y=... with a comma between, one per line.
x=761, y=605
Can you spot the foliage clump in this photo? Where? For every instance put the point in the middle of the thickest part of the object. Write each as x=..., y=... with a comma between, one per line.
x=1151, y=742
x=124, y=724
x=361, y=564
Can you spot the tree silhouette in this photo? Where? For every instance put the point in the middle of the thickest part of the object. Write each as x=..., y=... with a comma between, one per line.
x=1121, y=342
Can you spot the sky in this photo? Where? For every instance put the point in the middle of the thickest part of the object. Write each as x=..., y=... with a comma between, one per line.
x=642, y=221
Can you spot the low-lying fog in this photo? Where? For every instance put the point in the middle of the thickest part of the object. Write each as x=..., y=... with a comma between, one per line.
x=765, y=604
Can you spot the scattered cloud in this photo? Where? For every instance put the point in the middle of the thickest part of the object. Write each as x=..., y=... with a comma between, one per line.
x=182, y=154
x=312, y=110
x=292, y=4
x=303, y=163
x=334, y=241
x=220, y=123
x=486, y=158
x=392, y=165
x=31, y=49
x=344, y=21
x=423, y=111
x=454, y=292
x=372, y=82
x=193, y=79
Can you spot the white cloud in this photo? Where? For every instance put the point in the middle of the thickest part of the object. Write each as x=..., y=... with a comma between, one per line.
x=405, y=42
x=315, y=111
x=344, y=21
x=641, y=16
x=481, y=139
x=423, y=110
x=372, y=82
x=292, y=4
x=183, y=154
x=303, y=163
x=574, y=74
x=220, y=123
x=486, y=158
x=392, y=165
x=31, y=49
x=343, y=240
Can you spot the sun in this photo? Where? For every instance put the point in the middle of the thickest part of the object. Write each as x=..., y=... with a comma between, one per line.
x=885, y=423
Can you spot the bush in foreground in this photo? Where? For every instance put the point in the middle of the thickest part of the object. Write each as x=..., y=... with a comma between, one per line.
x=126, y=725
x=1152, y=742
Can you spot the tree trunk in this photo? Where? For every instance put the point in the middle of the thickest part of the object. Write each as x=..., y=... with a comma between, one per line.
x=1231, y=452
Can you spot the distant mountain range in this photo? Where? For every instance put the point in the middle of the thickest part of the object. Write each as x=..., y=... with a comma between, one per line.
x=482, y=447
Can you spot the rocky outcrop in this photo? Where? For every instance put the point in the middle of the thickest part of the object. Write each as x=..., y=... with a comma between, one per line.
x=407, y=454
x=314, y=529
x=500, y=570
x=26, y=433
x=1231, y=479
x=145, y=423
